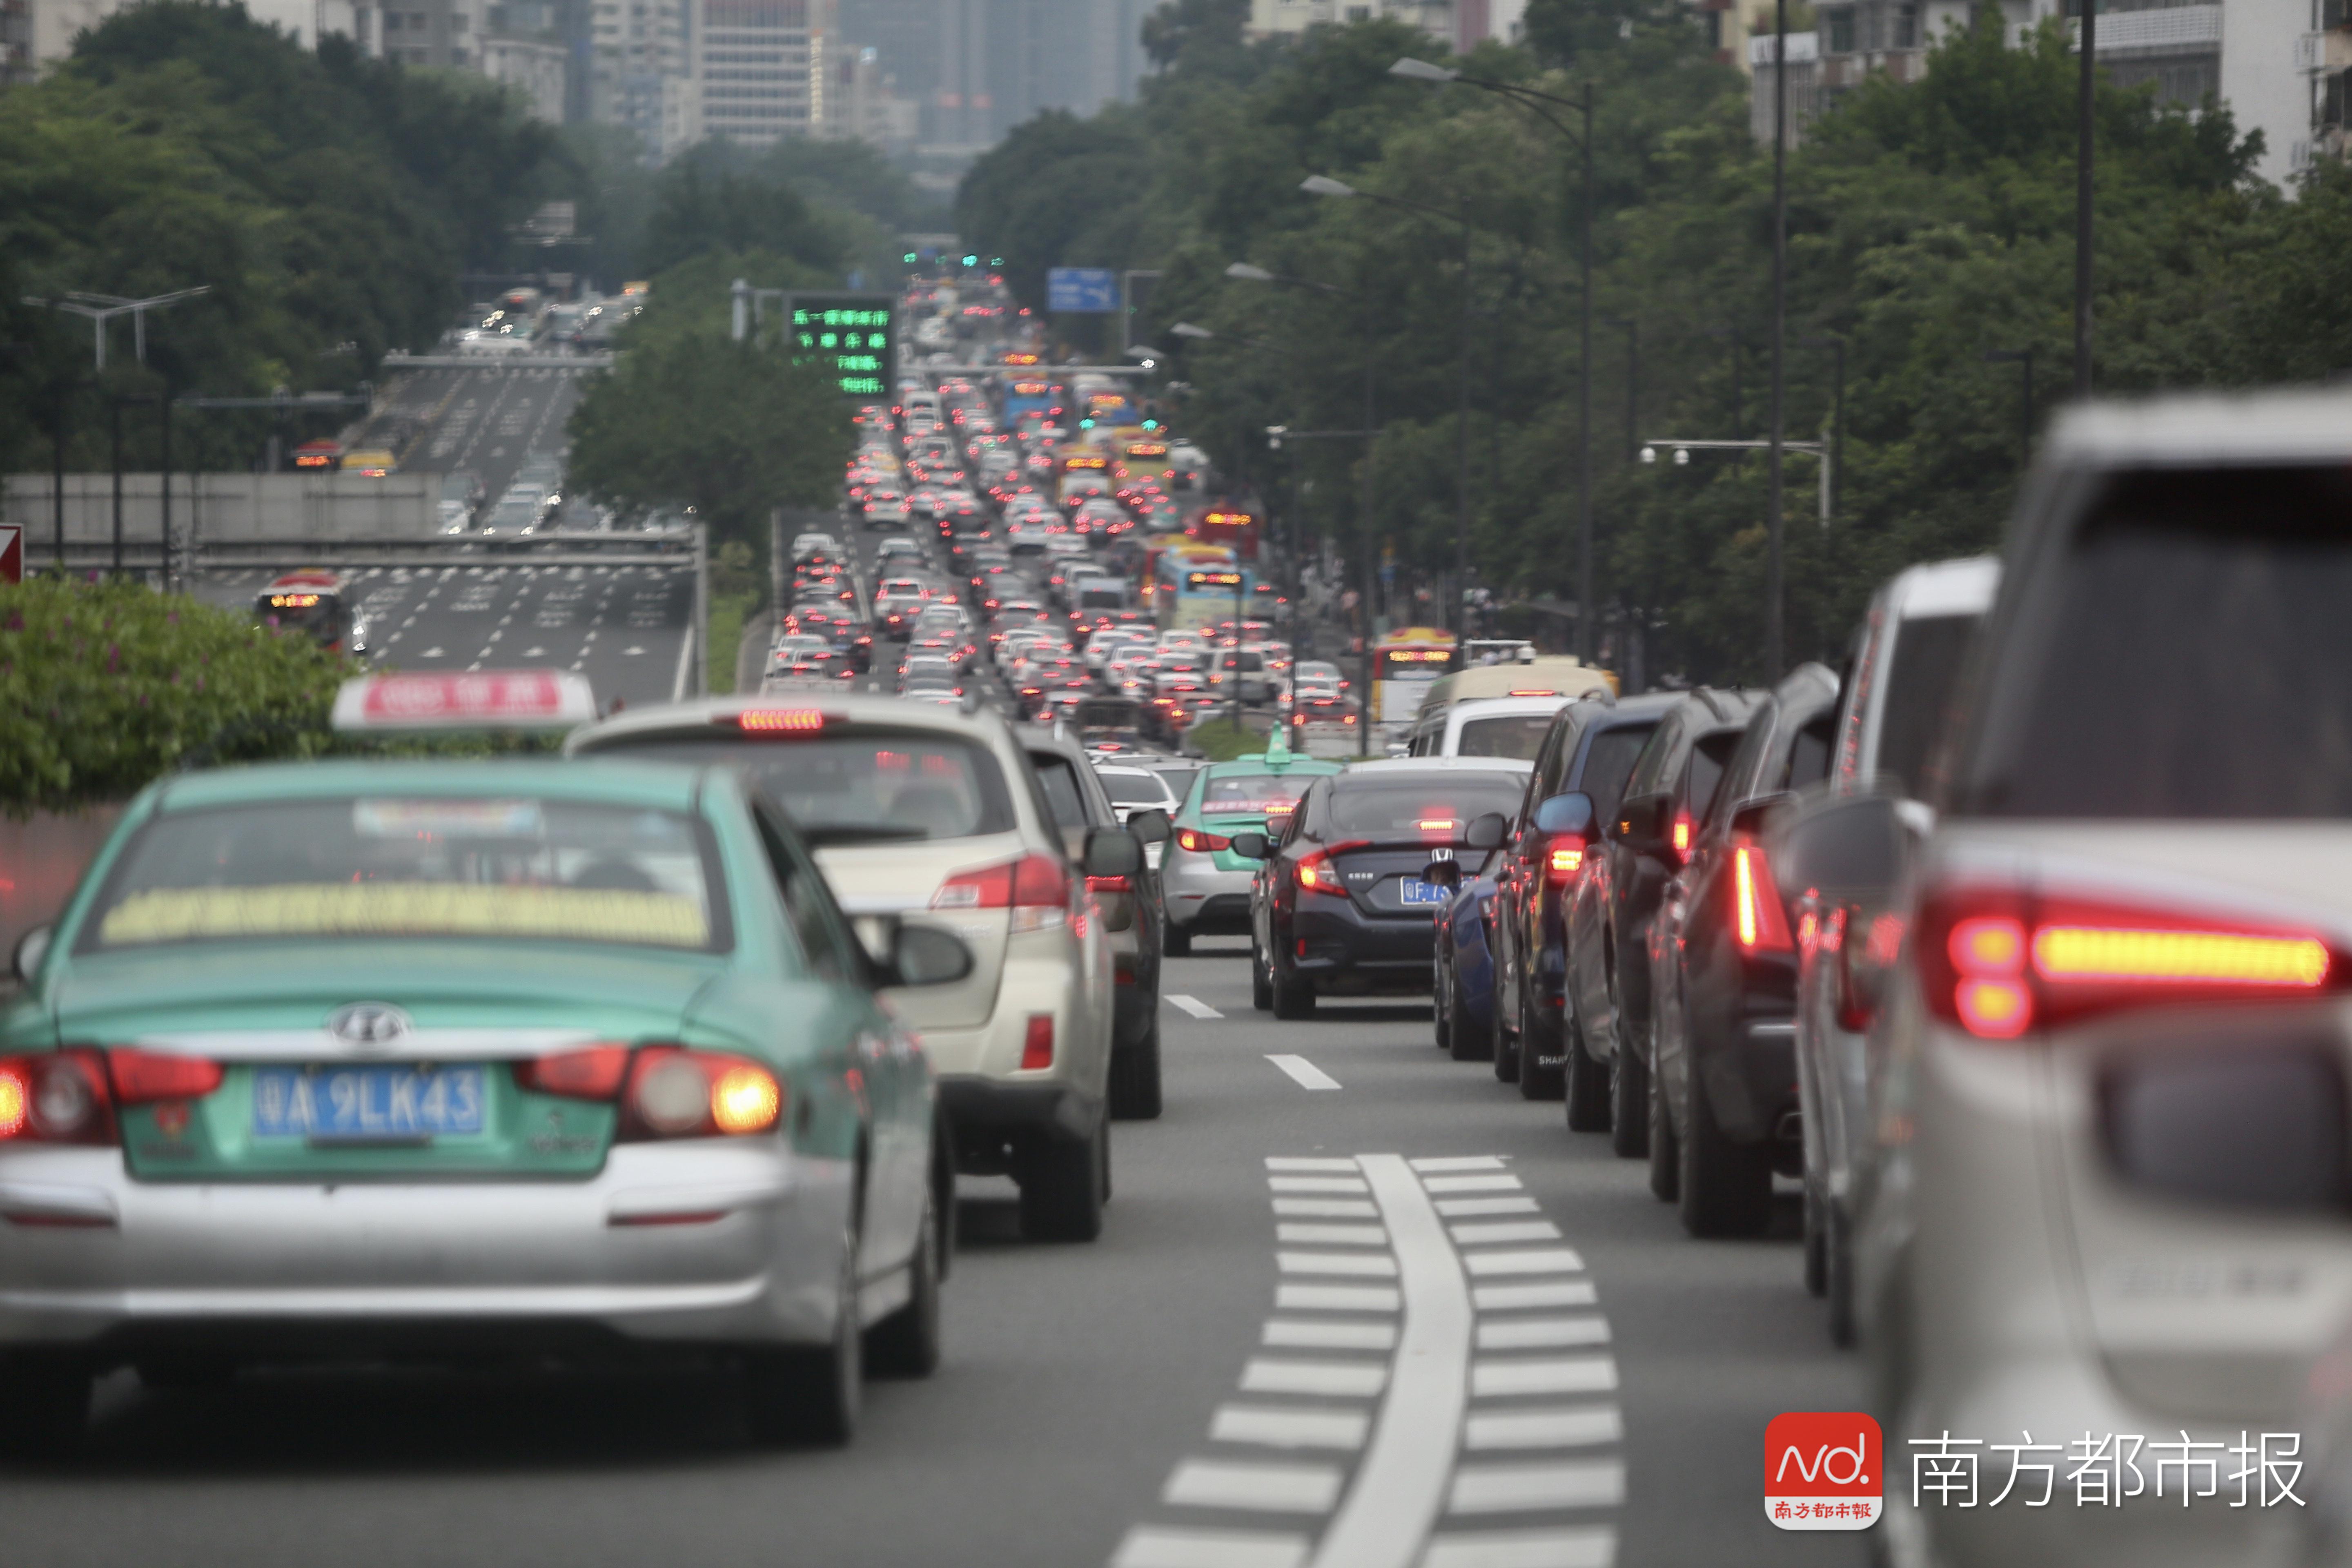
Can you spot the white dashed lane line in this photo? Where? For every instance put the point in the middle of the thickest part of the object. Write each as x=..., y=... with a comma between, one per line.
x=1194, y=1005
x=1304, y=1073
x=1405, y=1391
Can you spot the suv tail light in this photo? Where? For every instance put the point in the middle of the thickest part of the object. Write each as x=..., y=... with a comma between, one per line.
x=57, y=1096
x=1761, y=922
x=1036, y=888
x=1998, y=963
x=674, y=1092
x=1563, y=859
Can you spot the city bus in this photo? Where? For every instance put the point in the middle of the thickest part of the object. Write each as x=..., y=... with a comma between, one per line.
x=1031, y=395
x=1405, y=664
x=316, y=603
x=1144, y=459
x=1193, y=585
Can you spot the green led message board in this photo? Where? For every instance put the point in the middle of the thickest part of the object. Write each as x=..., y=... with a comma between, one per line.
x=852, y=336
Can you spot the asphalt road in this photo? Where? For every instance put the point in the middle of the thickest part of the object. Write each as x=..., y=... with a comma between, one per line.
x=1163, y=1396
x=484, y=419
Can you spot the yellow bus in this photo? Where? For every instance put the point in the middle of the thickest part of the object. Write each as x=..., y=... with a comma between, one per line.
x=1405, y=664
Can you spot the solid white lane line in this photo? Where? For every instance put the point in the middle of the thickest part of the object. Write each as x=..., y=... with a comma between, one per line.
x=1551, y=1293
x=1543, y=1260
x=1194, y=1005
x=1148, y=1547
x=1513, y=1230
x=1298, y=1334
x=1574, y=1427
x=1457, y=1208
x=1317, y=1184
x=1304, y=1073
x=1397, y=1487
x=1273, y=1487
x=1295, y=1162
x=1287, y=1426
x=1369, y=1265
x=1522, y=1489
x=1327, y=1209
x=1542, y=1333
x=1458, y=1163
x=1331, y=1379
x=1574, y=1375
x=1516, y=1549
x=1332, y=1235
x=1337, y=1298
x=1504, y=1184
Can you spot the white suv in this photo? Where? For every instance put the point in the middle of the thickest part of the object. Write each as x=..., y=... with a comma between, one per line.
x=938, y=816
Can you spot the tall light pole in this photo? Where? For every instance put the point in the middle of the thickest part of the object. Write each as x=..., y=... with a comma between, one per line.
x=1324, y=185
x=2086, y=120
x=1775, y=637
x=1527, y=98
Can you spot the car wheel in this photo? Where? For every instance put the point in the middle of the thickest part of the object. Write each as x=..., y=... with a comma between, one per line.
x=1134, y=1077
x=1062, y=1188
x=1507, y=1045
x=1440, y=1007
x=1177, y=942
x=1538, y=1041
x=813, y=1396
x=1838, y=1274
x=1584, y=1085
x=1468, y=1039
x=907, y=1342
x=1725, y=1188
x=1665, y=1164
x=1261, y=980
x=1628, y=1092
x=1294, y=997
x=47, y=1405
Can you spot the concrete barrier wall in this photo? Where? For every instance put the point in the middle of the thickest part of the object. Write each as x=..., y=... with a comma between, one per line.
x=226, y=507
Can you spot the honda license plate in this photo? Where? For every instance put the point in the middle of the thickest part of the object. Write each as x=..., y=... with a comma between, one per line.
x=1418, y=892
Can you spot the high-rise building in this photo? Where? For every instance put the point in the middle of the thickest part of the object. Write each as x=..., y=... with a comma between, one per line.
x=634, y=47
x=1460, y=25
x=760, y=67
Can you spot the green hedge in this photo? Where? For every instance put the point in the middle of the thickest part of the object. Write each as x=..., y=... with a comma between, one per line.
x=105, y=686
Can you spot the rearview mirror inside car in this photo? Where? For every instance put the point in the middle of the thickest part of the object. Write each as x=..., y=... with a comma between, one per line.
x=1151, y=827
x=1443, y=873
x=1113, y=852
x=1487, y=831
x=1252, y=846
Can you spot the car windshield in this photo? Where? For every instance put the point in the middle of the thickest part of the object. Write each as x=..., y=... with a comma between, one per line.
x=869, y=785
x=1433, y=804
x=479, y=868
x=1516, y=735
x=1253, y=794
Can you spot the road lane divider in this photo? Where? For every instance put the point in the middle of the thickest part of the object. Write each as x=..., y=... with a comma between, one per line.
x=1194, y=1005
x=1304, y=1073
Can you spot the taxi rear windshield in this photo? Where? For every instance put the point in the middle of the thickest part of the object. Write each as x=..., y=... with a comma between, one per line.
x=1443, y=806
x=483, y=869
x=2194, y=657
x=858, y=786
x=1253, y=794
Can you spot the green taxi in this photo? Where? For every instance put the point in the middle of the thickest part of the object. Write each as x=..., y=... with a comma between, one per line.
x=408, y=1060
x=1204, y=885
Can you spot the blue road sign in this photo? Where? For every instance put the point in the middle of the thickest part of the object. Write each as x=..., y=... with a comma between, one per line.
x=1082, y=290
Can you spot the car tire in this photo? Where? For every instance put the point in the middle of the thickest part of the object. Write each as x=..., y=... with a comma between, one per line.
x=1666, y=1161
x=1725, y=1188
x=1135, y=1077
x=1177, y=942
x=1585, y=1085
x=1628, y=1099
x=46, y=1407
x=1506, y=1055
x=1294, y=997
x=1537, y=1040
x=1466, y=1038
x=907, y=1342
x=812, y=1395
x=1063, y=1186
x=1261, y=980
x=1837, y=1271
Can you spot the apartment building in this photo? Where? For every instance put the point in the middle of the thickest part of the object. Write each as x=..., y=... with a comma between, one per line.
x=1460, y=25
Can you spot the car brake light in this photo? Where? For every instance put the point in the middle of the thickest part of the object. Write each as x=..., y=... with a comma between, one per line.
x=1036, y=888
x=1199, y=843
x=674, y=1092
x=1996, y=962
x=1037, y=1043
x=591, y=1072
x=1681, y=836
x=58, y=1097
x=1442, y=827
x=1564, y=858
x=1316, y=874
x=139, y=1077
x=779, y=721
x=1763, y=925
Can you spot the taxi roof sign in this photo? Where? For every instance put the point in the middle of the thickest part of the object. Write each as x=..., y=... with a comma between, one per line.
x=476, y=699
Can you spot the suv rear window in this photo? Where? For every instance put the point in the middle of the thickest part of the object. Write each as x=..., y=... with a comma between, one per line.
x=1927, y=653
x=2196, y=660
x=1518, y=735
x=858, y=786
x=1608, y=761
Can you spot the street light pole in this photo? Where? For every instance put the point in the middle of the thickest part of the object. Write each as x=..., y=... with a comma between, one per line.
x=2086, y=101
x=1773, y=632
x=1587, y=615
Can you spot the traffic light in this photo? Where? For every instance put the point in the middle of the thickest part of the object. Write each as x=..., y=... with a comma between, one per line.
x=908, y=258
x=996, y=261
x=1086, y=424
x=972, y=261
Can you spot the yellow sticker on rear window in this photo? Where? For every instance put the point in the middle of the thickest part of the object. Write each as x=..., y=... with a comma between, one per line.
x=405, y=908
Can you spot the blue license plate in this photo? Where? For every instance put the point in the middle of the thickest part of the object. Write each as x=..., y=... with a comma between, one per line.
x=407, y=1100
x=1416, y=892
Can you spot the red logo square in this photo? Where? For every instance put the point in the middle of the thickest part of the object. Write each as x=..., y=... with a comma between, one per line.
x=1824, y=1470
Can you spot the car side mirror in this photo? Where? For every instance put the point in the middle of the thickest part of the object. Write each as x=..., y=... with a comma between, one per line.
x=1752, y=815
x=1641, y=823
x=1849, y=849
x=1252, y=846
x=31, y=948
x=1112, y=852
x=1569, y=812
x=926, y=955
x=1444, y=873
x=1487, y=832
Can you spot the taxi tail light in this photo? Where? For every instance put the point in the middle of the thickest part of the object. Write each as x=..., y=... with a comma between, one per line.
x=1999, y=962
x=591, y=1072
x=140, y=1076
x=674, y=1092
x=54, y=1096
x=1761, y=923
x=1563, y=859
x=1194, y=841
